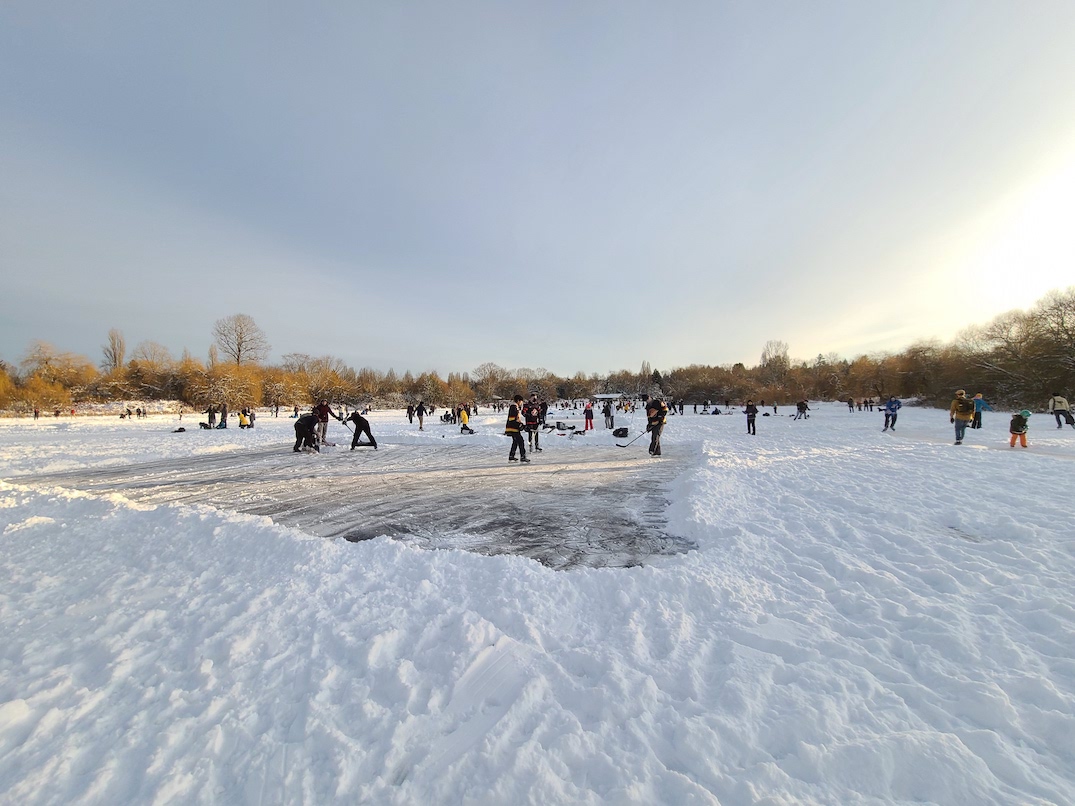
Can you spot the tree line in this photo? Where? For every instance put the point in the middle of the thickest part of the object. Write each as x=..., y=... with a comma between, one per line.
x=1017, y=359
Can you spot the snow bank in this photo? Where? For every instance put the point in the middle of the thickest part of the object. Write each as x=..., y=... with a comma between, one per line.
x=869, y=618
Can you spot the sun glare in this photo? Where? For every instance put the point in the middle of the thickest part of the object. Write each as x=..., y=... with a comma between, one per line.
x=1027, y=247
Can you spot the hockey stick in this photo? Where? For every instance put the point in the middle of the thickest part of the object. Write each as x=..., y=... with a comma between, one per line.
x=633, y=441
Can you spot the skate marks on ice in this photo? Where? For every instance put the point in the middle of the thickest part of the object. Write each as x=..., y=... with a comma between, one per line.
x=597, y=508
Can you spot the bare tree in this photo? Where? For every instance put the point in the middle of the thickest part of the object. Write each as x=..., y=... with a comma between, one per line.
x=239, y=338
x=115, y=352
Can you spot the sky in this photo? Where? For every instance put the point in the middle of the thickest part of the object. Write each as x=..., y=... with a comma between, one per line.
x=436, y=185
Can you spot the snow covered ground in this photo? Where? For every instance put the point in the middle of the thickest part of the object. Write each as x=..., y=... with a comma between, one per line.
x=864, y=617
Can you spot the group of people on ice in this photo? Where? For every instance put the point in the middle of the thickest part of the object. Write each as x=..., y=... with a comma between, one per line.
x=966, y=413
x=529, y=416
x=311, y=429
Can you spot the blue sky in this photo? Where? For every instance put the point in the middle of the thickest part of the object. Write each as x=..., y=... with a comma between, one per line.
x=575, y=186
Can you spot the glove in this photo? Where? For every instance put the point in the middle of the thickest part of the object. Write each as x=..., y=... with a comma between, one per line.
x=951, y=419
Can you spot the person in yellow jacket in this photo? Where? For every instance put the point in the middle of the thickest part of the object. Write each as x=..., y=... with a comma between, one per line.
x=961, y=413
x=464, y=421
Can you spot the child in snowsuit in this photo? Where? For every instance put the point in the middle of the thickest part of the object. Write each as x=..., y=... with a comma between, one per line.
x=1019, y=426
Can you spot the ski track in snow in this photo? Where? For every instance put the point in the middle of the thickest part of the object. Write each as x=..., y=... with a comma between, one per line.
x=867, y=618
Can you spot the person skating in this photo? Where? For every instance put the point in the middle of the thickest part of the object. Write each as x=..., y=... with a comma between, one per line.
x=892, y=410
x=1018, y=427
x=979, y=406
x=306, y=432
x=751, y=412
x=532, y=417
x=961, y=413
x=800, y=410
x=656, y=415
x=513, y=428
x=420, y=413
x=362, y=426
x=1060, y=409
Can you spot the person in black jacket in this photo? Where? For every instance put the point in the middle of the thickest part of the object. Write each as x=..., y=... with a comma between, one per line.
x=656, y=414
x=362, y=426
x=513, y=428
x=752, y=417
x=532, y=417
x=306, y=432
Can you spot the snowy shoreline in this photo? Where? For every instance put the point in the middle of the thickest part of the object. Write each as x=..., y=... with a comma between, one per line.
x=868, y=618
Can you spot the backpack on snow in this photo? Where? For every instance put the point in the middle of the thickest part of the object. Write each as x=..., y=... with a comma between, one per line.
x=620, y=433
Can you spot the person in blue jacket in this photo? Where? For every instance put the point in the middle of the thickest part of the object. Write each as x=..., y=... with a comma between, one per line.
x=979, y=406
x=892, y=408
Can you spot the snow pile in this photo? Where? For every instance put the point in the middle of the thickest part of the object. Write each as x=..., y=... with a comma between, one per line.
x=869, y=618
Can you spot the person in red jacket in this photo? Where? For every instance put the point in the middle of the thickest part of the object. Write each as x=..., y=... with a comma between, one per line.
x=323, y=411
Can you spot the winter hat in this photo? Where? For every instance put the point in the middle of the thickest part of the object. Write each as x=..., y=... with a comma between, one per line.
x=960, y=392
x=978, y=396
x=1025, y=412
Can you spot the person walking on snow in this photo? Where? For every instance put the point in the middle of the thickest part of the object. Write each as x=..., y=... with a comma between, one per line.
x=513, y=428
x=979, y=406
x=751, y=412
x=961, y=413
x=587, y=416
x=1018, y=427
x=420, y=413
x=1059, y=407
x=892, y=408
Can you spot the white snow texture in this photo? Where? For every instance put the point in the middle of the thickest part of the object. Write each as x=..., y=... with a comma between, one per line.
x=865, y=618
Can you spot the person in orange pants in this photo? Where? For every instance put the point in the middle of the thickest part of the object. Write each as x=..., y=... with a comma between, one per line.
x=1019, y=426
